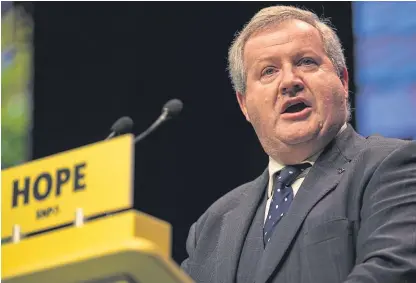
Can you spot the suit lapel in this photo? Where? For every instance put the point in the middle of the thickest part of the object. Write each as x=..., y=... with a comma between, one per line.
x=321, y=179
x=235, y=228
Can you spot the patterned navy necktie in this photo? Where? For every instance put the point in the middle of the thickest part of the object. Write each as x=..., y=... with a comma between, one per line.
x=282, y=197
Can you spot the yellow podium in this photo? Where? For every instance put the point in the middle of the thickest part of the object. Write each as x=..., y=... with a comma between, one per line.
x=68, y=218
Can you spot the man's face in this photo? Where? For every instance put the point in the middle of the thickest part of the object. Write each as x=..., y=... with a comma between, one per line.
x=294, y=98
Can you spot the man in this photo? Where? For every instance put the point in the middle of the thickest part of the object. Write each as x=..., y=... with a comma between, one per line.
x=332, y=206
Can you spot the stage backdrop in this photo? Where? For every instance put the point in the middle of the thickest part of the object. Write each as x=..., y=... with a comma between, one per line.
x=385, y=52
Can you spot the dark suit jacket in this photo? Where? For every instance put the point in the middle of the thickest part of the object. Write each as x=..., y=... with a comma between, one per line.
x=352, y=220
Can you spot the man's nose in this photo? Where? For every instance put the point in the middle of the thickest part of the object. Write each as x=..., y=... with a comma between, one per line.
x=291, y=84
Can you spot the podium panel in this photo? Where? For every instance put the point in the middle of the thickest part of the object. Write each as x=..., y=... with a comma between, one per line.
x=45, y=193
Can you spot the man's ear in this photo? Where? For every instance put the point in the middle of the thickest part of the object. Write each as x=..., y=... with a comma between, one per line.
x=241, y=98
x=345, y=80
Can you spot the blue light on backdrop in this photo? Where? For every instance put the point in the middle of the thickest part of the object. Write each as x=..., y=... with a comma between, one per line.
x=385, y=64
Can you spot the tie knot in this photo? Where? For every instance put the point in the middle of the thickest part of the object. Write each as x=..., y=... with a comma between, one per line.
x=289, y=174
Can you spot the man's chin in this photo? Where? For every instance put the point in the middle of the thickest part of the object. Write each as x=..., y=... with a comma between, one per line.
x=296, y=137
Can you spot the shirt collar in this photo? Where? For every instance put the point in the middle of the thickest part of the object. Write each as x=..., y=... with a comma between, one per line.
x=275, y=166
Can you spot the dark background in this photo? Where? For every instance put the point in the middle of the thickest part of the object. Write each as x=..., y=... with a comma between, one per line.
x=95, y=62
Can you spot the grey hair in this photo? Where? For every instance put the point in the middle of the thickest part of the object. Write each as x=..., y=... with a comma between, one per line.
x=271, y=16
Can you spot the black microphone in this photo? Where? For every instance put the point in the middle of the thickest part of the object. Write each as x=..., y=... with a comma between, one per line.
x=170, y=110
x=121, y=126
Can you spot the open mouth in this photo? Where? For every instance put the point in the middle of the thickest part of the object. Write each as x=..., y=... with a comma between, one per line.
x=297, y=107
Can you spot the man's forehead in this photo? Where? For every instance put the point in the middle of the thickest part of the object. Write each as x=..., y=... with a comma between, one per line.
x=283, y=33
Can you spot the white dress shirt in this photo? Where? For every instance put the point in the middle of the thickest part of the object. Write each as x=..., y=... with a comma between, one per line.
x=275, y=167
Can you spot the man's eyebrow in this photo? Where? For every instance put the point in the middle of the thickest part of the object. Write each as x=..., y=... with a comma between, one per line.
x=264, y=58
x=305, y=50
x=300, y=51
x=296, y=54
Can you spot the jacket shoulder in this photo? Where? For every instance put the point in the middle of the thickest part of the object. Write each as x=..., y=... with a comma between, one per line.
x=374, y=148
x=382, y=147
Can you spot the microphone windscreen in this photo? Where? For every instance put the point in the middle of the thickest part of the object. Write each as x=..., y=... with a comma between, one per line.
x=122, y=125
x=174, y=107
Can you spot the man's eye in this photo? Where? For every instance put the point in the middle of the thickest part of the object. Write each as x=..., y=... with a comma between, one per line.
x=268, y=71
x=307, y=61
